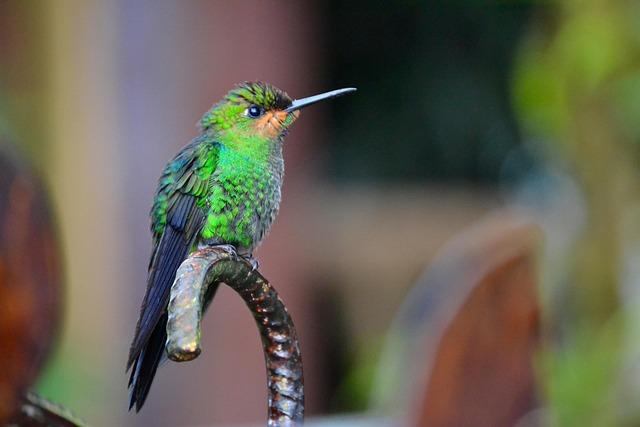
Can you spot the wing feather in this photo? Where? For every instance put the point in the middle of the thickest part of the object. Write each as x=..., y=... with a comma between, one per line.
x=177, y=217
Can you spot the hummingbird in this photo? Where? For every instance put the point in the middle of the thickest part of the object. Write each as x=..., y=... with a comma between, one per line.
x=224, y=187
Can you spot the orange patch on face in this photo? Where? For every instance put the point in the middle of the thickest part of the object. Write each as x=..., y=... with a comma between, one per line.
x=270, y=125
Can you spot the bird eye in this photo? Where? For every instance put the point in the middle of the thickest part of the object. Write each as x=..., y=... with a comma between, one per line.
x=254, y=111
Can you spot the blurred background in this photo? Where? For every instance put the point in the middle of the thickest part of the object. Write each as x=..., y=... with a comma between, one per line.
x=468, y=116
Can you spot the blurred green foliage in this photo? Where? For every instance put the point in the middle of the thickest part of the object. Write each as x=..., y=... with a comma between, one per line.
x=578, y=380
x=577, y=87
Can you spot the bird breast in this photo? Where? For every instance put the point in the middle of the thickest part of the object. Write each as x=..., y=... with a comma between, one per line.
x=243, y=203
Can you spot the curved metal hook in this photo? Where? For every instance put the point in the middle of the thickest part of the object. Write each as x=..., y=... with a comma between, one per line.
x=210, y=266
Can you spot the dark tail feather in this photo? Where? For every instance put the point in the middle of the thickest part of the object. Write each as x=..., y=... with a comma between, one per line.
x=145, y=366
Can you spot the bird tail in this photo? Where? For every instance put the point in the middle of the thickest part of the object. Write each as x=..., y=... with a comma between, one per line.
x=152, y=354
x=146, y=364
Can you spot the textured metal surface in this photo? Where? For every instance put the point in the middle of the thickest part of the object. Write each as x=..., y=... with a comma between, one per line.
x=211, y=266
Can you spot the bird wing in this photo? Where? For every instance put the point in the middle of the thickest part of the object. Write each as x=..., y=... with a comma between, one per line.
x=177, y=216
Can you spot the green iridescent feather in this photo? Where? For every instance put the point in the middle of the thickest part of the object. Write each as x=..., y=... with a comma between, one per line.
x=223, y=187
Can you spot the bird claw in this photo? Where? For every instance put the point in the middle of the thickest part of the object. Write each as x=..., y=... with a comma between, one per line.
x=233, y=253
x=230, y=249
x=255, y=264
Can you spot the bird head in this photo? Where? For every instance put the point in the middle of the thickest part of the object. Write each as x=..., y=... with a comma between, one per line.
x=259, y=109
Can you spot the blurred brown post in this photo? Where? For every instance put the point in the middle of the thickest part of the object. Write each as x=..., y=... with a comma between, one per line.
x=478, y=350
x=462, y=349
x=30, y=282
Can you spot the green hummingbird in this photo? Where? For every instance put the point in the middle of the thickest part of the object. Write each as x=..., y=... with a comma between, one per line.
x=224, y=187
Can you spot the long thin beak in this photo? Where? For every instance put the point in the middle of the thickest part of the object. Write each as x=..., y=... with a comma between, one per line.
x=305, y=102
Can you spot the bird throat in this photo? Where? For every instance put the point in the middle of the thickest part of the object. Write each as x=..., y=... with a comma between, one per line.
x=272, y=123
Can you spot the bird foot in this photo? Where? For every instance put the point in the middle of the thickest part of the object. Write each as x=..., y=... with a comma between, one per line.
x=230, y=249
x=233, y=252
x=255, y=264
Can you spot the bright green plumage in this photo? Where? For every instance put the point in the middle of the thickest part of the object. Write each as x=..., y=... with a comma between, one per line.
x=189, y=172
x=222, y=188
x=234, y=173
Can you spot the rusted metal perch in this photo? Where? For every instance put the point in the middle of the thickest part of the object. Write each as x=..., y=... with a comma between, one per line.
x=208, y=267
